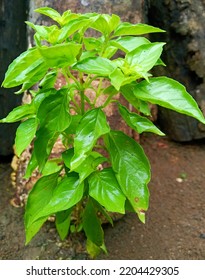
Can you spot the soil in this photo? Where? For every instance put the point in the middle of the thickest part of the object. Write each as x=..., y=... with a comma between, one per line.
x=175, y=223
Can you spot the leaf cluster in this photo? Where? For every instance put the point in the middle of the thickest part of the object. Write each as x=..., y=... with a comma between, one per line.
x=101, y=170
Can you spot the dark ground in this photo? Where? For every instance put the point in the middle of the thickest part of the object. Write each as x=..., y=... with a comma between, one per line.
x=175, y=225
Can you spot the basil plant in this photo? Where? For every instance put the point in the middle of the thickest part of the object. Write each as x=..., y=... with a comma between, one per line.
x=100, y=170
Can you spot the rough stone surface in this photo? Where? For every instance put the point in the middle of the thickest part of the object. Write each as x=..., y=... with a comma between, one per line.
x=12, y=42
x=184, y=55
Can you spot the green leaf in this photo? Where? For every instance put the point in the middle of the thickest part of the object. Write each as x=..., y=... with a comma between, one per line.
x=32, y=230
x=110, y=90
x=73, y=26
x=160, y=62
x=63, y=196
x=53, y=112
x=95, y=65
x=138, y=104
x=92, y=125
x=43, y=145
x=68, y=16
x=127, y=28
x=49, y=80
x=92, y=43
x=19, y=113
x=47, y=11
x=167, y=93
x=118, y=79
x=46, y=32
x=39, y=96
x=105, y=23
x=129, y=43
x=88, y=166
x=25, y=134
x=102, y=210
x=92, y=225
x=32, y=164
x=33, y=80
x=62, y=222
x=24, y=68
x=52, y=166
x=75, y=120
x=60, y=55
x=137, y=122
x=144, y=57
x=39, y=197
x=104, y=188
x=67, y=193
x=110, y=51
x=92, y=249
x=113, y=21
x=101, y=25
x=132, y=169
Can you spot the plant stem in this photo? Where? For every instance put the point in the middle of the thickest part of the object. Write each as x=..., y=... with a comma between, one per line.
x=109, y=100
x=82, y=96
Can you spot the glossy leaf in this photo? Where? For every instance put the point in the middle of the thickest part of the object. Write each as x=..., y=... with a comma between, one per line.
x=118, y=78
x=127, y=28
x=73, y=26
x=47, y=11
x=92, y=125
x=75, y=120
x=53, y=112
x=132, y=169
x=167, y=93
x=113, y=20
x=19, y=113
x=45, y=32
x=106, y=23
x=26, y=132
x=24, y=68
x=138, y=104
x=109, y=52
x=62, y=222
x=92, y=43
x=60, y=55
x=130, y=43
x=104, y=188
x=92, y=225
x=88, y=166
x=41, y=95
x=31, y=166
x=68, y=192
x=33, y=80
x=68, y=16
x=101, y=25
x=137, y=122
x=39, y=197
x=64, y=196
x=95, y=65
x=48, y=81
x=43, y=145
x=145, y=57
x=33, y=229
x=52, y=166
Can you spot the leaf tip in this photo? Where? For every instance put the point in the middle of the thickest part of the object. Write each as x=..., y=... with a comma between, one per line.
x=141, y=215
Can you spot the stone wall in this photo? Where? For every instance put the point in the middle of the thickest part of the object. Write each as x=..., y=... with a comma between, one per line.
x=184, y=22
x=13, y=41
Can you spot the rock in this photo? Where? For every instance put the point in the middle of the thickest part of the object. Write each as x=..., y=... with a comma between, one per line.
x=185, y=59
